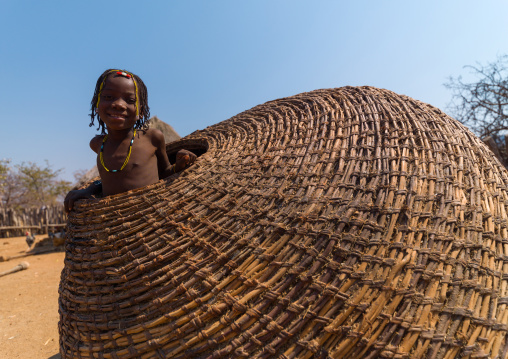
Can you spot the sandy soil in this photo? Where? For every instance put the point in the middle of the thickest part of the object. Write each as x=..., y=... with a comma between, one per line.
x=29, y=302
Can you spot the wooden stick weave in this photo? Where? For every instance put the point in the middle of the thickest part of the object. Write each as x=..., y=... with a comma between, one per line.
x=341, y=223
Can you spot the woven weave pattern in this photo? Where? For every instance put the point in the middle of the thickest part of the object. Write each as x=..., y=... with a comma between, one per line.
x=341, y=223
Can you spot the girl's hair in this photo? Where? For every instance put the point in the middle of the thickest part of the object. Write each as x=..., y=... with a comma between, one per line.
x=141, y=99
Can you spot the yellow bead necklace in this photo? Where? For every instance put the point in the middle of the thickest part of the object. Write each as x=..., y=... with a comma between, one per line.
x=101, y=157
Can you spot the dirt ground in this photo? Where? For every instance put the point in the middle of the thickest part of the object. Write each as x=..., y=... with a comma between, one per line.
x=29, y=302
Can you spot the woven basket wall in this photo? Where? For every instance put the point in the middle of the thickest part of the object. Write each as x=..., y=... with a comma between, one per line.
x=342, y=223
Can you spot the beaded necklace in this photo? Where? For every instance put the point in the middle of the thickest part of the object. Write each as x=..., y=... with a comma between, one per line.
x=126, y=160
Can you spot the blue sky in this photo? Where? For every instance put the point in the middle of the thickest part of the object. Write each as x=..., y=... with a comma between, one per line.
x=205, y=61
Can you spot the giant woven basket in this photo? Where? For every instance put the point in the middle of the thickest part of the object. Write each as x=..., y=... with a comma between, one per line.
x=342, y=223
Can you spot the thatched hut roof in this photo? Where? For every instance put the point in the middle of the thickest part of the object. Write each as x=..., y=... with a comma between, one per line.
x=170, y=135
x=342, y=223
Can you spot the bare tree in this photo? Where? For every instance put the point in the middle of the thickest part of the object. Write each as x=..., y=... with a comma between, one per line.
x=29, y=184
x=482, y=105
x=13, y=193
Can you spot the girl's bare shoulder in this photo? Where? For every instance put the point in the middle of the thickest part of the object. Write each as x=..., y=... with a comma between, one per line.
x=95, y=143
x=153, y=135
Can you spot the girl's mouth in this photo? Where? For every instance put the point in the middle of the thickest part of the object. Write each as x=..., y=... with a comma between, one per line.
x=116, y=117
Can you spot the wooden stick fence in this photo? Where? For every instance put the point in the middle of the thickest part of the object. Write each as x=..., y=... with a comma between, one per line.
x=41, y=228
x=38, y=220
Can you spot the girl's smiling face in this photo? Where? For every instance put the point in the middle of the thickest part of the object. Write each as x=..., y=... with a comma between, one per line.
x=117, y=105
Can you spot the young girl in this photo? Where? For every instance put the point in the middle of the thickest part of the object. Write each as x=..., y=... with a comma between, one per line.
x=130, y=155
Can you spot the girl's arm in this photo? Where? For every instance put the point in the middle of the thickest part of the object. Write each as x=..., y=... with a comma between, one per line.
x=184, y=158
x=163, y=165
x=92, y=190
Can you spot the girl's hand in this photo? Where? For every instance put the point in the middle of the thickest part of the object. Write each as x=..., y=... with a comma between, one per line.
x=184, y=159
x=85, y=193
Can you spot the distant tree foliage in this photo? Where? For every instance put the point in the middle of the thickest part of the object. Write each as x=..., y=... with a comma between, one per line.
x=482, y=105
x=30, y=185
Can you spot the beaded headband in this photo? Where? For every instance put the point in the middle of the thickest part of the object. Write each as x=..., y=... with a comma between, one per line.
x=124, y=74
